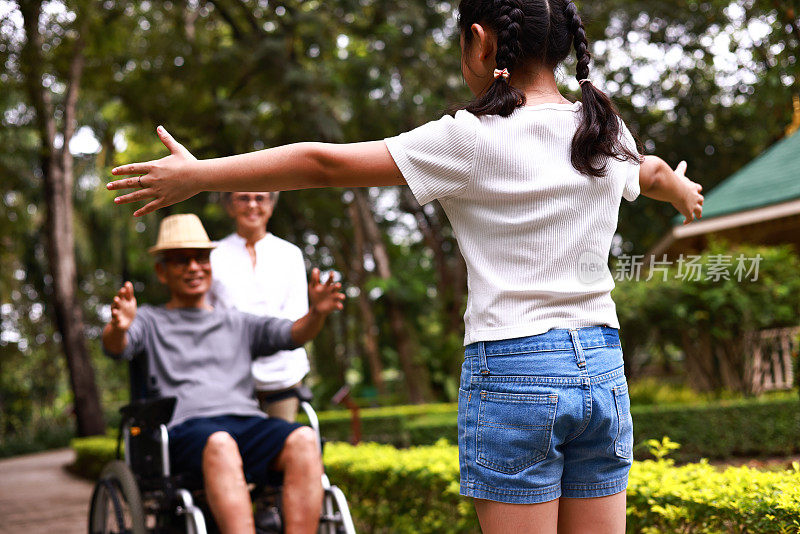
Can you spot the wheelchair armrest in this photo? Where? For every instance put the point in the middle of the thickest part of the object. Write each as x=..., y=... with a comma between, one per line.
x=301, y=392
x=150, y=413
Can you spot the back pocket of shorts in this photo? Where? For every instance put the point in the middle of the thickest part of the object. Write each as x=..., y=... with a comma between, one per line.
x=514, y=430
x=623, y=443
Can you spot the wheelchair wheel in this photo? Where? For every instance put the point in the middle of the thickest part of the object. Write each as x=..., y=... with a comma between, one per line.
x=336, y=517
x=116, y=502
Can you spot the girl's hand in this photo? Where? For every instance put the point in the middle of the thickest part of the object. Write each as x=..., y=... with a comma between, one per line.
x=123, y=308
x=690, y=203
x=168, y=180
x=325, y=298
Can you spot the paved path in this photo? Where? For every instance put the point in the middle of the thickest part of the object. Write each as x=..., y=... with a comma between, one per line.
x=37, y=496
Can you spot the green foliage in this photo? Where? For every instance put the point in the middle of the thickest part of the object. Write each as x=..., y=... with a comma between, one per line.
x=652, y=390
x=416, y=490
x=697, y=106
x=91, y=454
x=723, y=429
x=796, y=367
x=710, y=319
x=661, y=449
x=409, y=490
x=712, y=429
x=54, y=434
x=699, y=498
x=227, y=77
x=390, y=412
x=398, y=425
x=660, y=391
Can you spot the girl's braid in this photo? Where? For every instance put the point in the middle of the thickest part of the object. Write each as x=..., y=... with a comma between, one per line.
x=509, y=23
x=575, y=25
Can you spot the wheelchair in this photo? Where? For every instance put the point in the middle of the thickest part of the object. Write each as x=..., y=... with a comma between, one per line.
x=140, y=495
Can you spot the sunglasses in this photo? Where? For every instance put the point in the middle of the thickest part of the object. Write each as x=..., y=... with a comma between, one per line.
x=203, y=259
x=245, y=200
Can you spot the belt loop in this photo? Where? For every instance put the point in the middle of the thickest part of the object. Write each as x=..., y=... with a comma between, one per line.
x=482, y=358
x=576, y=344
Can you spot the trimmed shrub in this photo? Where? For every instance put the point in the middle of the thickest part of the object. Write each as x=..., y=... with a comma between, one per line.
x=91, y=454
x=722, y=429
x=699, y=498
x=717, y=429
x=383, y=425
x=416, y=490
x=39, y=438
x=393, y=490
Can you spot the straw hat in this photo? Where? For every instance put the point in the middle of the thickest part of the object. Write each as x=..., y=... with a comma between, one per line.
x=181, y=231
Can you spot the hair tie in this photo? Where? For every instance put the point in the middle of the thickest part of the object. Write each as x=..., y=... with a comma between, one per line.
x=504, y=73
x=581, y=82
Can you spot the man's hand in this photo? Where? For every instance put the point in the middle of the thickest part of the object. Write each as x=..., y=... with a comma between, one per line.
x=325, y=297
x=690, y=202
x=123, y=312
x=123, y=308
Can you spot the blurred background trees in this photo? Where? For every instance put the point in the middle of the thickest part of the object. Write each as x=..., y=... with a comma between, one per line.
x=705, y=81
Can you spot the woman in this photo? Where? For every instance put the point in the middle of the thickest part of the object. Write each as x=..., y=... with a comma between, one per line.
x=260, y=273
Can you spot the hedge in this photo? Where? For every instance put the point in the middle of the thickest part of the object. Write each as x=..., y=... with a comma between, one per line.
x=723, y=429
x=92, y=454
x=699, y=498
x=415, y=490
x=383, y=425
x=719, y=429
x=36, y=439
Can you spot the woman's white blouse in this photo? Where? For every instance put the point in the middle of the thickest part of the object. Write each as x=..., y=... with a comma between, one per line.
x=276, y=286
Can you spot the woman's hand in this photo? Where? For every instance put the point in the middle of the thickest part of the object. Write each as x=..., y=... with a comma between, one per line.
x=167, y=181
x=690, y=202
x=325, y=298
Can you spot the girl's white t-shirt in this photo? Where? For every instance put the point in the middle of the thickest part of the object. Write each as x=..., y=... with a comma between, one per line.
x=534, y=232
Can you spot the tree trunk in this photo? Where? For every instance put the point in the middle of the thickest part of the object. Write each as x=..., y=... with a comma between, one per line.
x=700, y=360
x=451, y=271
x=58, y=179
x=369, y=329
x=730, y=355
x=416, y=376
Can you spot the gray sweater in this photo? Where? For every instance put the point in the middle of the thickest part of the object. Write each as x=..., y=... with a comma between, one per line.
x=203, y=357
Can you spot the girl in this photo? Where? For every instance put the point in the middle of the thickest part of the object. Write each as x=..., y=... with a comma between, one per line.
x=531, y=184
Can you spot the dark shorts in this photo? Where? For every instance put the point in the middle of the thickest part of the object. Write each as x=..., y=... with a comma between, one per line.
x=260, y=441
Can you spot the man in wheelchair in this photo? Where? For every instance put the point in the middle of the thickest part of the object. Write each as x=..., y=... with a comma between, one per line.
x=202, y=356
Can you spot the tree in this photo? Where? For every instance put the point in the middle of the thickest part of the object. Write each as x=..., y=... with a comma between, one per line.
x=228, y=76
x=57, y=174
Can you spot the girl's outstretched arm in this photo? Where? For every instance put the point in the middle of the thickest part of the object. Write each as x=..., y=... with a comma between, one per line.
x=657, y=180
x=299, y=166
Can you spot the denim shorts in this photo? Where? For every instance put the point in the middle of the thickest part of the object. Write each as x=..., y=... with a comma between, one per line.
x=545, y=416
